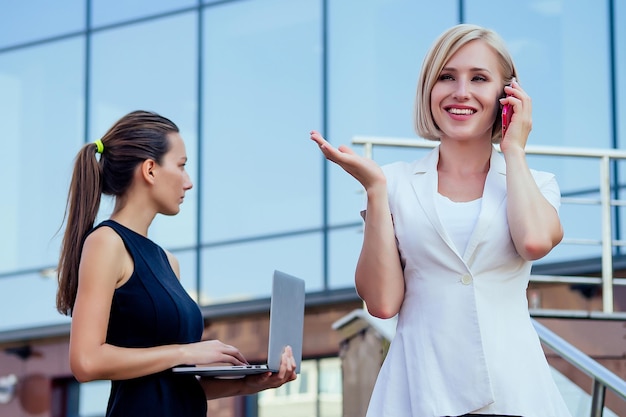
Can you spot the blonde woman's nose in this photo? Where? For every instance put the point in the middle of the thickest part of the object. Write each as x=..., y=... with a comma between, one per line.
x=461, y=91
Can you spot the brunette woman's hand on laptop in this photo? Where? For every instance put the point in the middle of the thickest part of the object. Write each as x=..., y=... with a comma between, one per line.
x=211, y=352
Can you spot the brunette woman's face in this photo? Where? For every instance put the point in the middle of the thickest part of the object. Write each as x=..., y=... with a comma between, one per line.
x=464, y=100
x=171, y=177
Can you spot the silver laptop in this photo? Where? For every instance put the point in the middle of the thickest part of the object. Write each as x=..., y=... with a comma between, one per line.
x=286, y=328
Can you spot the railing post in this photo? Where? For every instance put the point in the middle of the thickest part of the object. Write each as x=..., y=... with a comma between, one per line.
x=367, y=151
x=607, y=237
x=597, y=399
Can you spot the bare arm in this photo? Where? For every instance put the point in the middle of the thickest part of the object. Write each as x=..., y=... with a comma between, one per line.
x=534, y=223
x=379, y=278
x=104, y=265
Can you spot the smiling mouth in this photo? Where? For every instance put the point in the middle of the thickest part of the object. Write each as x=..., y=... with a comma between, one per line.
x=463, y=112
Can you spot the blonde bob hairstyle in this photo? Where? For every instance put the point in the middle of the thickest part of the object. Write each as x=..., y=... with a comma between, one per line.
x=440, y=52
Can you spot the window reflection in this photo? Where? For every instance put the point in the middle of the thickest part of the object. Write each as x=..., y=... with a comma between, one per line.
x=261, y=98
x=187, y=260
x=242, y=271
x=106, y=12
x=343, y=254
x=28, y=300
x=34, y=20
x=41, y=110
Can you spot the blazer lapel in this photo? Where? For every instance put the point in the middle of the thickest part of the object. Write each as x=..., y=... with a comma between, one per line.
x=425, y=182
x=494, y=195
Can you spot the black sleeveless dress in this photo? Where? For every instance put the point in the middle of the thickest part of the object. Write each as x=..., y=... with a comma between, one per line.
x=153, y=309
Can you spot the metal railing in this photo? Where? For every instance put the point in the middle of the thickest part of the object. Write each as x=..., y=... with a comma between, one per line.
x=606, y=203
x=602, y=377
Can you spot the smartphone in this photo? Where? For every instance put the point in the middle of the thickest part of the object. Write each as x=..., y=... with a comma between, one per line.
x=507, y=112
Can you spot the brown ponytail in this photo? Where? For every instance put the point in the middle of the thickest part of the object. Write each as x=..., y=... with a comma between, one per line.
x=83, y=202
x=138, y=136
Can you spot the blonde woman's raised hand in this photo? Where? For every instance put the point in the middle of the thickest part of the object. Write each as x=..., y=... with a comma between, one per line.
x=364, y=170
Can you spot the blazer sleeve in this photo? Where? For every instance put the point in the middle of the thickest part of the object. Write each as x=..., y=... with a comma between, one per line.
x=549, y=187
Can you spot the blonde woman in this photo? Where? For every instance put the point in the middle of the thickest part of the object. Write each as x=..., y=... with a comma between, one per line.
x=449, y=241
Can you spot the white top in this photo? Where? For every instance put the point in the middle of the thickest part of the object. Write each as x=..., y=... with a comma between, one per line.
x=464, y=341
x=458, y=218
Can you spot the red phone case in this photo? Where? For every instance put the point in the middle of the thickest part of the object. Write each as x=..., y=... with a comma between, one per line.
x=507, y=112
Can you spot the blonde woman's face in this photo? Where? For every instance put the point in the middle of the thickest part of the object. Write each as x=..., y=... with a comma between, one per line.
x=464, y=100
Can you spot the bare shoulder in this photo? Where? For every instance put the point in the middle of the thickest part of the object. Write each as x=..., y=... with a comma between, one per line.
x=104, y=239
x=104, y=255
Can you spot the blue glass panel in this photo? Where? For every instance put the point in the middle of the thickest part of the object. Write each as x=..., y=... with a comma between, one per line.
x=29, y=301
x=620, y=70
x=187, y=261
x=262, y=95
x=41, y=112
x=244, y=271
x=34, y=20
x=105, y=12
x=343, y=254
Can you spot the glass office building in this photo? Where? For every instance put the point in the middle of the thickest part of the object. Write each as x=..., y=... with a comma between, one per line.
x=245, y=81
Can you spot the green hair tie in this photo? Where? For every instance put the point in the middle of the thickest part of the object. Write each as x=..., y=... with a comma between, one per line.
x=99, y=146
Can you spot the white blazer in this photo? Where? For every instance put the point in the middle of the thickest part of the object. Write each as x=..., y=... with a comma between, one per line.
x=464, y=340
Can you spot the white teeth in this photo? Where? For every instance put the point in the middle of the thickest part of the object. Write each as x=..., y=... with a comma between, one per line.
x=461, y=111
